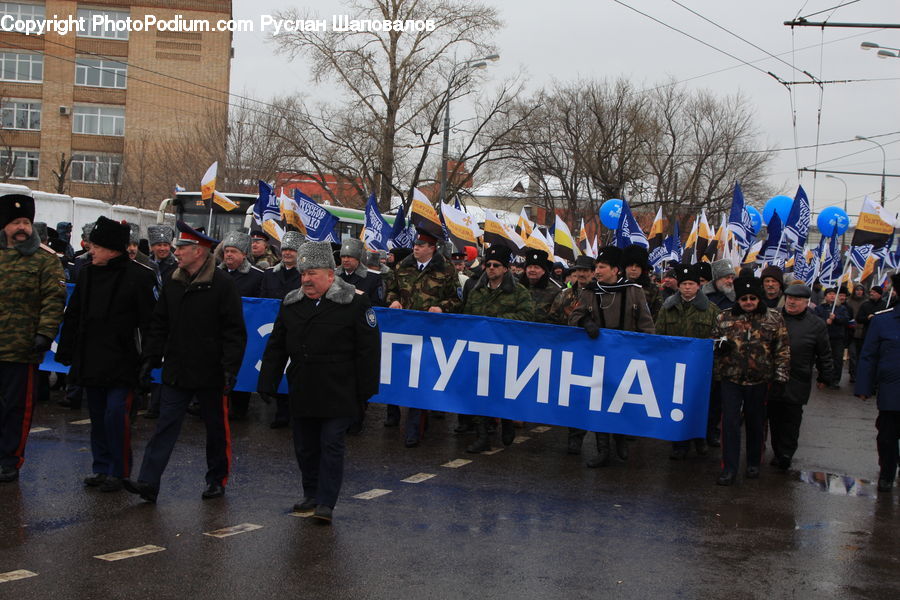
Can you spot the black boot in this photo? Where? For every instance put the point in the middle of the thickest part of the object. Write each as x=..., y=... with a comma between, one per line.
x=507, y=432
x=621, y=446
x=482, y=443
x=576, y=439
x=464, y=425
x=602, y=459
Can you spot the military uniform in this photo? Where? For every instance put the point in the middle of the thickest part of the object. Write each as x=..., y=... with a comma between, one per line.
x=31, y=305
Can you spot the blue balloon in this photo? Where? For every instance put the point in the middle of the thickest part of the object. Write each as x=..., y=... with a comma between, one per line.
x=755, y=218
x=779, y=204
x=833, y=221
x=610, y=212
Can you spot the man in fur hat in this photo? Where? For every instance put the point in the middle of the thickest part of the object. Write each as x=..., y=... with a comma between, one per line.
x=160, y=238
x=637, y=270
x=538, y=282
x=331, y=336
x=353, y=270
x=31, y=317
x=720, y=289
x=108, y=313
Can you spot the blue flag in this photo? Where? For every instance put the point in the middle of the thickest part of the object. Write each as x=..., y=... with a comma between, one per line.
x=401, y=235
x=266, y=206
x=673, y=245
x=377, y=230
x=796, y=229
x=320, y=223
x=739, y=219
x=774, y=250
x=831, y=264
x=629, y=232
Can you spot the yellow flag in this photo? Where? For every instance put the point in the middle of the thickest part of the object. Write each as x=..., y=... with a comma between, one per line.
x=208, y=183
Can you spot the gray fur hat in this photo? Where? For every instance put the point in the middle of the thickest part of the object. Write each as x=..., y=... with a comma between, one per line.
x=41, y=229
x=354, y=248
x=134, y=236
x=160, y=234
x=373, y=260
x=238, y=240
x=315, y=255
x=86, y=231
x=722, y=268
x=292, y=240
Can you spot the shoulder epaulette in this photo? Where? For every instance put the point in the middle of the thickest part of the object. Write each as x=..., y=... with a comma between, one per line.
x=48, y=249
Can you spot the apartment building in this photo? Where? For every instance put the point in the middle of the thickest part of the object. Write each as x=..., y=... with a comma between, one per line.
x=90, y=112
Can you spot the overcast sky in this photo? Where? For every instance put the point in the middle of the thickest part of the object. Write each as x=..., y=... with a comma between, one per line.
x=570, y=39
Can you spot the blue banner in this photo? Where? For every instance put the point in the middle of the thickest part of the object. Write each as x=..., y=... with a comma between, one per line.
x=623, y=382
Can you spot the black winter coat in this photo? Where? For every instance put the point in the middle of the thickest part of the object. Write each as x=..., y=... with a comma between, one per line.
x=166, y=266
x=278, y=281
x=99, y=338
x=808, y=339
x=371, y=284
x=198, y=327
x=335, y=352
x=247, y=279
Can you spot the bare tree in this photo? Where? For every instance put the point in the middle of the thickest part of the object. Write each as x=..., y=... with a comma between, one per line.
x=61, y=173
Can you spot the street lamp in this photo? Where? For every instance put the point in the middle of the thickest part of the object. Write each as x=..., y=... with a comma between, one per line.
x=883, y=163
x=829, y=176
x=475, y=63
x=883, y=52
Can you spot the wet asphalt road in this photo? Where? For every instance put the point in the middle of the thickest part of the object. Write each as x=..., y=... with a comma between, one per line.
x=526, y=522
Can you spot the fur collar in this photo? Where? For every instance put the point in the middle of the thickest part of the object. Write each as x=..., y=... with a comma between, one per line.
x=340, y=292
x=204, y=275
x=243, y=269
x=26, y=248
x=280, y=267
x=700, y=301
x=361, y=271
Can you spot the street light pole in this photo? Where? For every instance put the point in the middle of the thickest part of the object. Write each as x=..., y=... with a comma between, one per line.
x=883, y=164
x=844, y=235
x=475, y=63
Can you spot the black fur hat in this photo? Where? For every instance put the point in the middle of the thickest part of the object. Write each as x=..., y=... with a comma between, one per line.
x=111, y=235
x=636, y=255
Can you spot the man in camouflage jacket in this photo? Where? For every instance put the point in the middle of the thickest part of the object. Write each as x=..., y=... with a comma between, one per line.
x=422, y=281
x=31, y=308
x=753, y=355
x=539, y=284
x=496, y=294
x=567, y=299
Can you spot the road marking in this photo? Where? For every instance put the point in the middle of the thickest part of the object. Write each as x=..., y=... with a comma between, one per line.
x=130, y=553
x=520, y=438
x=455, y=464
x=233, y=530
x=14, y=575
x=541, y=429
x=494, y=451
x=81, y=422
x=372, y=494
x=418, y=478
x=38, y=429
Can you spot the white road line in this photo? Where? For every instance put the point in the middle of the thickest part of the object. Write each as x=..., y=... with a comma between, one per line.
x=494, y=451
x=540, y=429
x=520, y=438
x=38, y=429
x=418, y=478
x=14, y=575
x=372, y=494
x=455, y=464
x=233, y=530
x=130, y=553
x=81, y=422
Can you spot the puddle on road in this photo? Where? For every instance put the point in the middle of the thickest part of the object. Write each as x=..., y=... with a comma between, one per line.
x=838, y=485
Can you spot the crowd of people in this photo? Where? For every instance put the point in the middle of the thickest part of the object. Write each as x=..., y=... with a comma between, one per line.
x=174, y=301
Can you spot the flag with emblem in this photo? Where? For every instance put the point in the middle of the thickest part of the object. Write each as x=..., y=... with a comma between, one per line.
x=320, y=224
x=739, y=219
x=290, y=212
x=499, y=233
x=461, y=227
x=375, y=231
x=266, y=206
x=401, y=235
x=208, y=183
x=874, y=225
x=424, y=217
x=673, y=245
x=629, y=232
x=796, y=228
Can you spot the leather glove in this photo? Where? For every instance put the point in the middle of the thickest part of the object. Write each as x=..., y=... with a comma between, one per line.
x=145, y=376
x=592, y=329
x=42, y=343
x=230, y=380
x=776, y=390
x=267, y=398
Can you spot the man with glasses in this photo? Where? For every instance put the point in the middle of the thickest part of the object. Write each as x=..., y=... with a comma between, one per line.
x=753, y=355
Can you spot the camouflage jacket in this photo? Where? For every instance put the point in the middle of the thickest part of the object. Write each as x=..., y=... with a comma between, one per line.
x=760, y=350
x=543, y=293
x=694, y=319
x=33, y=298
x=563, y=305
x=266, y=261
x=509, y=301
x=436, y=285
x=654, y=298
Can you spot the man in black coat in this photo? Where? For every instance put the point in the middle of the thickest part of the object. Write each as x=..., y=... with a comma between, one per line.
x=808, y=339
x=836, y=318
x=353, y=270
x=160, y=238
x=330, y=333
x=111, y=304
x=247, y=278
x=198, y=327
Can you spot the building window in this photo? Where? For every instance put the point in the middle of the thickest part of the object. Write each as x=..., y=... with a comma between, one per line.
x=22, y=12
x=100, y=73
x=99, y=120
x=19, y=66
x=95, y=168
x=110, y=25
x=25, y=163
x=20, y=115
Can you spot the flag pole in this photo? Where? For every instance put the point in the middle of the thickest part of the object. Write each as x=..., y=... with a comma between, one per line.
x=846, y=267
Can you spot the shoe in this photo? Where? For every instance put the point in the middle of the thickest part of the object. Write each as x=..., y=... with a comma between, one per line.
x=784, y=463
x=323, y=514
x=411, y=442
x=752, y=473
x=151, y=414
x=700, y=447
x=8, y=474
x=111, y=484
x=278, y=424
x=146, y=491
x=713, y=442
x=885, y=485
x=726, y=478
x=507, y=432
x=464, y=425
x=95, y=480
x=678, y=454
x=481, y=444
x=213, y=490
x=307, y=505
